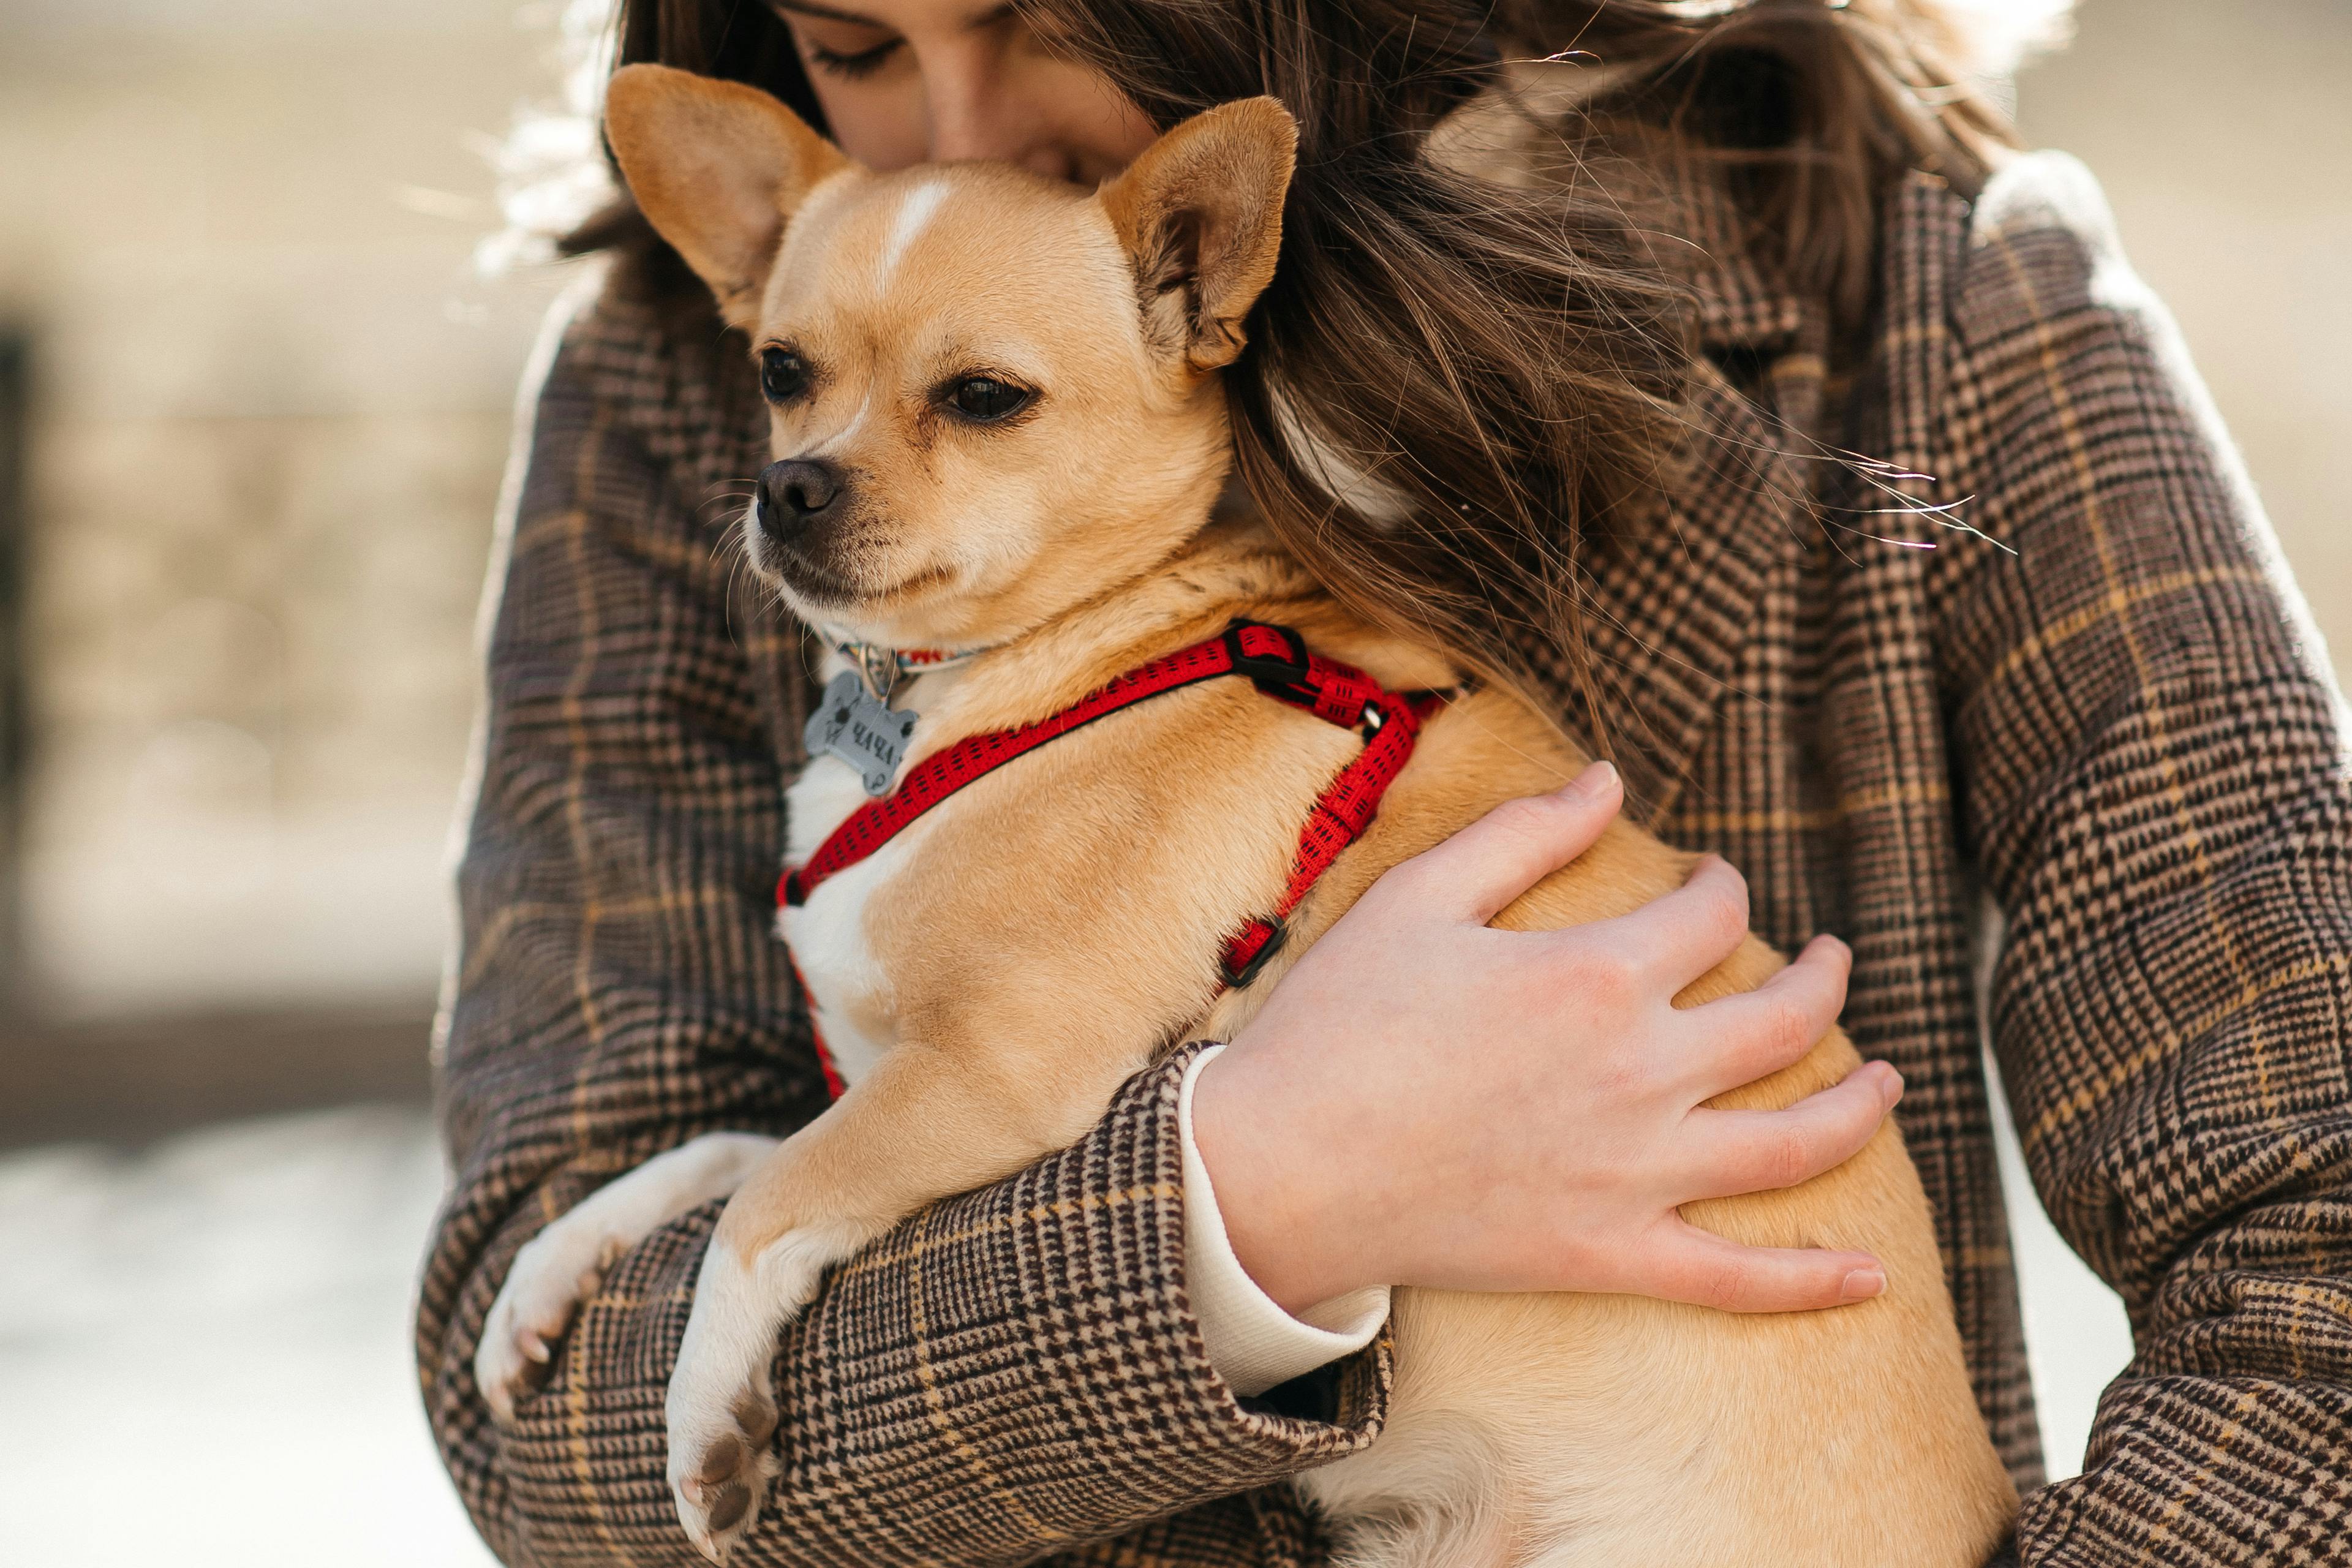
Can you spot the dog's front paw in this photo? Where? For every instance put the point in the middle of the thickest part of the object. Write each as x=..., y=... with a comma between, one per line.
x=722, y=1412
x=720, y=1464
x=555, y=1272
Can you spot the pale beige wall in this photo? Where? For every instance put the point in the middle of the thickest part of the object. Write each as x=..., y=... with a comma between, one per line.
x=273, y=409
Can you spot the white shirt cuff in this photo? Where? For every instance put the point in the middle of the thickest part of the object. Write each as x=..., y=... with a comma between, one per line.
x=1252, y=1343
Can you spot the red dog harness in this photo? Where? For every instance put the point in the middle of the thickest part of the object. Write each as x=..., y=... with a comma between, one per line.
x=1276, y=660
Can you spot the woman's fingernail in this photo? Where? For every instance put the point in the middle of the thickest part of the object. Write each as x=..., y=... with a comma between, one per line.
x=1862, y=1285
x=1892, y=1087
x=1594, y=782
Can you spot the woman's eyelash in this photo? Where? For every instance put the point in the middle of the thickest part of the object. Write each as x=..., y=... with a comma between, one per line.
x=865, y=62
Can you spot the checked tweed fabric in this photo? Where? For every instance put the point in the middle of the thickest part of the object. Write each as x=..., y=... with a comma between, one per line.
x=2095, y=714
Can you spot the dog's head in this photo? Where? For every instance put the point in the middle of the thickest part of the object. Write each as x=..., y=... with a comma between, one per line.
x=995, y=394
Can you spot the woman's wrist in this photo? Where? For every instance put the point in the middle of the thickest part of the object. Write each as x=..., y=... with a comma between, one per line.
x=1283, y=1210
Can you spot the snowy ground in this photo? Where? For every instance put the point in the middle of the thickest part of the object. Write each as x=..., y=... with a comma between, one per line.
x=208, y=1346
x=205, y=1351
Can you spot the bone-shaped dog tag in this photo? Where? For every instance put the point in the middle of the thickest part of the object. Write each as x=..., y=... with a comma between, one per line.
x=868, y=735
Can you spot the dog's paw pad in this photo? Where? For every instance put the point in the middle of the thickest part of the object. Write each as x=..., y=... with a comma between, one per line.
x=721, y=1485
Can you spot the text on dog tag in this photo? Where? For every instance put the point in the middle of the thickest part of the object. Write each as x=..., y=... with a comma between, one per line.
x=868, y=735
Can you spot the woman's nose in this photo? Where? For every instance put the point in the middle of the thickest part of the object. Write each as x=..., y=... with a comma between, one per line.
x=977, y=112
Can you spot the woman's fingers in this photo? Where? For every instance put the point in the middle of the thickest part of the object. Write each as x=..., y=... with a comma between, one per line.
x=1680, y=936
x=1757, y=1033
x=1750, y=1151
x=1687, y=1263
x=1511, y=848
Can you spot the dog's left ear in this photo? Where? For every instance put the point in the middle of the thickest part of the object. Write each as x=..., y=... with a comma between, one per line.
x=1200, y=214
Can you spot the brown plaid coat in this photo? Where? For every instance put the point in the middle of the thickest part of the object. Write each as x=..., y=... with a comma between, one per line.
x=2099, y=713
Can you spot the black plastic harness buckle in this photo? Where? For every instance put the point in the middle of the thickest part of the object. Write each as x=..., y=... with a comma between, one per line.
x=1237, y=978
x=1288, y=671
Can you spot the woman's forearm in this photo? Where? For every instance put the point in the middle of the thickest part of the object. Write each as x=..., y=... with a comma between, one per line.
x=1035, y=1329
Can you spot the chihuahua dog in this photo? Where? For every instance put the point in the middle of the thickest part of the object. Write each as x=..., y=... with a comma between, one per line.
x=1000, y=434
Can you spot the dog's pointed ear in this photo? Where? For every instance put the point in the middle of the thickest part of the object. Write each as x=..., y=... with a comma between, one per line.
x=718, y=168
x=1200, y=214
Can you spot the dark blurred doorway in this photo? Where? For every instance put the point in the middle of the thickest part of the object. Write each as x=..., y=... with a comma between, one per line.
x=16, y=398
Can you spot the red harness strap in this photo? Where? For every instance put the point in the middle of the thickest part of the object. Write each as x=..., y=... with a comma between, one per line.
x=1278, y=662
x=1338, y=818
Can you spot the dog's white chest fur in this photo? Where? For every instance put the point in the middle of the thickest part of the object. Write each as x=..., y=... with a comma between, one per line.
x=848, y=991
x=827, y=934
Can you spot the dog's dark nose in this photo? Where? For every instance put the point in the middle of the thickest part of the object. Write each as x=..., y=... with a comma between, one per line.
x=797, y=493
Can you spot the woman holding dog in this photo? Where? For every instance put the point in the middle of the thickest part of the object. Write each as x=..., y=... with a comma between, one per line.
x=1770, y=297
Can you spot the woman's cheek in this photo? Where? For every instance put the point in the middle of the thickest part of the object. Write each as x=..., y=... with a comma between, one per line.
x=1103, y=130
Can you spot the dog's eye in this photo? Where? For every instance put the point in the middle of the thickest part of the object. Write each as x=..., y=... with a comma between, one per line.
x=987, y=399
x=783, y=374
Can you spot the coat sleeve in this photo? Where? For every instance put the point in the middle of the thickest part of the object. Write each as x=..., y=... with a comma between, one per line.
x=1010, y=1374
x=2152, y=767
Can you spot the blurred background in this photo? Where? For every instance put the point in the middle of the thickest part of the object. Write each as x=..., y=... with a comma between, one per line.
x=255, y=396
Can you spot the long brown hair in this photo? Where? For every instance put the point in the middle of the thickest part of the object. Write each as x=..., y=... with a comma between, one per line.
x=1504, y=365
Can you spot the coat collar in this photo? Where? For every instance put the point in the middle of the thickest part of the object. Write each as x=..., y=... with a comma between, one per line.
x=1673, y=598
x=1674, y=601
x=1669, y=597
x=1745, y=301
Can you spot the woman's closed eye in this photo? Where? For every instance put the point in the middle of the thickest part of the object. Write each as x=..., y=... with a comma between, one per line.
x=853, y=67
x=839, y=43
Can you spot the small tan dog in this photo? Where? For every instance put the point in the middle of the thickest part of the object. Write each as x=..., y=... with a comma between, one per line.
x=999, y=427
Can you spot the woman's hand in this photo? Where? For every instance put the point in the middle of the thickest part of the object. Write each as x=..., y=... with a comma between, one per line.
x=1424, y=1100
